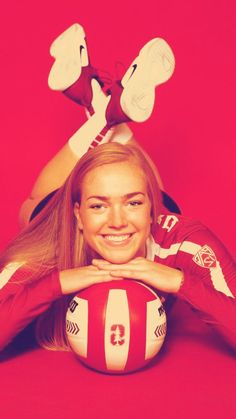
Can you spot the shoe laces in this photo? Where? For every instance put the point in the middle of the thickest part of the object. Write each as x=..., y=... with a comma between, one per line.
x=104, y=78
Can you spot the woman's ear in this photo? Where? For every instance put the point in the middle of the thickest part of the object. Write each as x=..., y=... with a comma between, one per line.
x=77, y=215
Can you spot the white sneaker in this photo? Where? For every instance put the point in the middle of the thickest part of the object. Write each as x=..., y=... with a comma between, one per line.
x=154, y=65
x=70, y=53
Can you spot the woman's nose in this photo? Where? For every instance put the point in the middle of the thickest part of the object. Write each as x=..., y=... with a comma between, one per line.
x=117, y=218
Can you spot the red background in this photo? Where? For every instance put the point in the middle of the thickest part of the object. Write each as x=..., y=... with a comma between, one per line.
x=191, y=136
x=191, y=133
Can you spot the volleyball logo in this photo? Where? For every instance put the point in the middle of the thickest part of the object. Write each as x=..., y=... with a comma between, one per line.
x=118, y=335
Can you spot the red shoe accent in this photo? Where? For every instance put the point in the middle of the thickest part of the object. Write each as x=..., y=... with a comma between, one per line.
x=114, y=113
x=81, y=91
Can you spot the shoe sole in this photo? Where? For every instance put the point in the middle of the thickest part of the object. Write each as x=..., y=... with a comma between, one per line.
x=154, y=66
x=70, y=52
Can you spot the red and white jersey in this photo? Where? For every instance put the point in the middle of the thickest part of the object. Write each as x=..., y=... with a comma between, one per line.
x=209, y=270
x=209, y=279
x=21, y=302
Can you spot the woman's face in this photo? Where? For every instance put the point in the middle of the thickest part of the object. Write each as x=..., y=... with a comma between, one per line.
x=114, y=213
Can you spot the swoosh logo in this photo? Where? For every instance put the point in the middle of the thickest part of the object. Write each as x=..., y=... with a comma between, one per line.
x=134, y=68
x=81, y=49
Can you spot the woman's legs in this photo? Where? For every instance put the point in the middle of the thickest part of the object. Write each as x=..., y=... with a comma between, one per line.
x=131, y=98
x=56, y=171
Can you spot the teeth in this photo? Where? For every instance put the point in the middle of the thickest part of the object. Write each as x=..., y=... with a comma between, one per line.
x=118, y=238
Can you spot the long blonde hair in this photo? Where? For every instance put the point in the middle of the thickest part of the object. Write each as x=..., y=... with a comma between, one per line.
x=52, y=240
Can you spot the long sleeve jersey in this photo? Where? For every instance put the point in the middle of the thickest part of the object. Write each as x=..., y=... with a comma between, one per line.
x=209, y=270
x=21, y=302
x=209, y=279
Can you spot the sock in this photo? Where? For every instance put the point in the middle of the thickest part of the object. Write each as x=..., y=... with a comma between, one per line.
x=95, y=132
x=89, y=135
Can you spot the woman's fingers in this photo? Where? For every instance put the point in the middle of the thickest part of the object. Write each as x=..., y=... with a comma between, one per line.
x=113, y=267
x=105, y=276
x=157, y=275
x=127, y=273
x=76, y=279
x=101, y=263
x=97, y=262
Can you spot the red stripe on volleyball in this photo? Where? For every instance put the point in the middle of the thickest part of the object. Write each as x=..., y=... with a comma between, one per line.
x=138, y=314
x=96, y=326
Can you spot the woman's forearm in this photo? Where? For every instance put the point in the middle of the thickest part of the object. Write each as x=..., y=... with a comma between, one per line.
x=21, y=303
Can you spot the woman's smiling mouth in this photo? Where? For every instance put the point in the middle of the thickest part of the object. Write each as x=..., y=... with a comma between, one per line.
x=117, y=238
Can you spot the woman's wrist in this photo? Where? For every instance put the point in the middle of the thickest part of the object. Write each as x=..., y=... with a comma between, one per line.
x=65, y=279
x=178, y=282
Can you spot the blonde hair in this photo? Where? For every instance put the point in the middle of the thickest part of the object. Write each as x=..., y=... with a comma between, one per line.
x=52, y=240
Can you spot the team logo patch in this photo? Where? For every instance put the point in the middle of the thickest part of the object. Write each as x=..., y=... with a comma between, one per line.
x=205, y=258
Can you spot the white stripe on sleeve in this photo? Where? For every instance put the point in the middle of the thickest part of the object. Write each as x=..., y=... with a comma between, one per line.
x=7, y=272
x=216, y=273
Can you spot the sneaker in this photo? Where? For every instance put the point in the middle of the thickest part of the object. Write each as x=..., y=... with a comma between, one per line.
x=153, y=66
x=71, y=72
x=70, y=52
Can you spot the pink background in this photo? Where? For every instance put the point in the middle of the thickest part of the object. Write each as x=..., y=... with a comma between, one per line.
x=191, y=134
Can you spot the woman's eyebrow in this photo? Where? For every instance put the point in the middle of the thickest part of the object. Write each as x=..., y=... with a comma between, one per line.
x=106, y=198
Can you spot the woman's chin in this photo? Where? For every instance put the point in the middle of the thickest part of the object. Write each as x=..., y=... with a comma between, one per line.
x=118, y=259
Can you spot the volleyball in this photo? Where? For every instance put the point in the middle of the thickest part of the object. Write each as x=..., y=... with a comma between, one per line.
x=116, y=327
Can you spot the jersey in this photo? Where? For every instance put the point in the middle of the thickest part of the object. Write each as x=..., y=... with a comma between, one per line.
x=21, y=302
x=209, y=285
x=209, y=270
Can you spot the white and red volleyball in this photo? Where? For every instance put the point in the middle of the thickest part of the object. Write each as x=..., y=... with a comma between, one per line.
x=116, y=327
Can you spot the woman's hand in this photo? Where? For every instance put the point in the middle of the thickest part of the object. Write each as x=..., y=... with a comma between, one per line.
x=76, y=279
x=151, y=273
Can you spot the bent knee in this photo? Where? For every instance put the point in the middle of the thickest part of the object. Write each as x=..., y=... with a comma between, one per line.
x=27, y=209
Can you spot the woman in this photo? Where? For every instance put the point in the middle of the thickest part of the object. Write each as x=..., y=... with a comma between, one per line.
x=105, y=223
x=30, y=264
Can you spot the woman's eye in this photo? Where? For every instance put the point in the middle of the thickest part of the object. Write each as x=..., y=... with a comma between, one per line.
x=135, y=203
x=96, y=206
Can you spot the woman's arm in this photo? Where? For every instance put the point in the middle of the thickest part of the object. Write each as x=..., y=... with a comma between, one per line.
x=22, y=301
x=210, y=282
x=198, y=269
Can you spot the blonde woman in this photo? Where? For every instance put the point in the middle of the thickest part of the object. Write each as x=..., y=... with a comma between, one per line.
x=104, y=223
x=34, y=258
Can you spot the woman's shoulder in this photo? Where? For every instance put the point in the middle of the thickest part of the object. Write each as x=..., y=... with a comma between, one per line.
x=174, y=228
x=170, y=232
x=176, y=222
